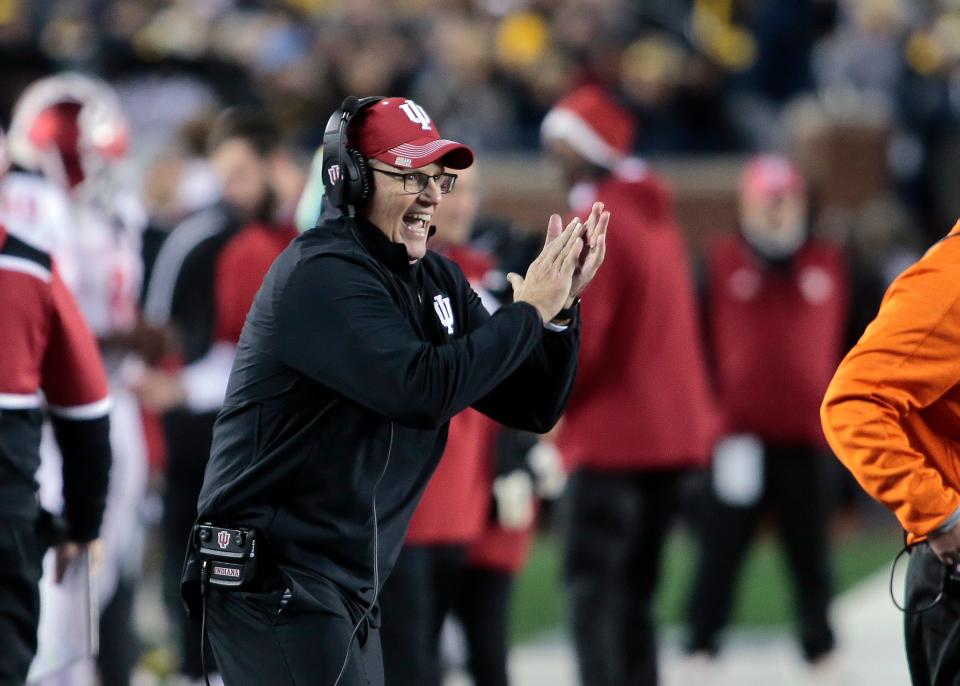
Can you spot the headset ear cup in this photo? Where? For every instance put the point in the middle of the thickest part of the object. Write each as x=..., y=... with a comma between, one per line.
x=360, y=181
x=346, y=176
x=333, y=181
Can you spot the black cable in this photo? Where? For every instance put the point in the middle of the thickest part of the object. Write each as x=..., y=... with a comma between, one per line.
x=929, y=606
x=376, y=564
x=204, y=578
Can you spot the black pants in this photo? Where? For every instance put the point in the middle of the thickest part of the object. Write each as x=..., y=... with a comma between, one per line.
x=21, y=560
x=188, y=437
x=482, y=606
x=267, y=639
x=796, y=488
x=932, y=636
x=615, y=535
x=413, y=603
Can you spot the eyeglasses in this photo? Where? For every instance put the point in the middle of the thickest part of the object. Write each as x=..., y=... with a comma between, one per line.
x=416, y=182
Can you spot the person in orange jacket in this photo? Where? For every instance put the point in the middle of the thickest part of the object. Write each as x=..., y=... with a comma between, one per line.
x=891, y=415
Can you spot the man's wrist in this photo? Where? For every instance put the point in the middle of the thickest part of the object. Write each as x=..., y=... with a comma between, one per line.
x=947, y=524
x=567, y=314
x=564, y=318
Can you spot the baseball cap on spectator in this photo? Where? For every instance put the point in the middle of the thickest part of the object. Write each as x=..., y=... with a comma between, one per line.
x=594, y=124
x=399, y=132
x=766, y=176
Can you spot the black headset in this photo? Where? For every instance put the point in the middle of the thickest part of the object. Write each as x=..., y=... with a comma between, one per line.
x=346, y=177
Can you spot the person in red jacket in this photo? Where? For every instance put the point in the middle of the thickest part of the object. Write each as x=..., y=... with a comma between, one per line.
x=49, y=360
x=776, y=305
x=641, y=412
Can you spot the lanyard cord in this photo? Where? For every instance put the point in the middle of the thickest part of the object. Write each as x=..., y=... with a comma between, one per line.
x=929, y=606
x=204, y=580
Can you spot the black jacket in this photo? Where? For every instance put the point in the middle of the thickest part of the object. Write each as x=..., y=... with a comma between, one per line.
x=345, y=376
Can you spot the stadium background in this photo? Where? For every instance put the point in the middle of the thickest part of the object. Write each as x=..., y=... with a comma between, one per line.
x=865, y=94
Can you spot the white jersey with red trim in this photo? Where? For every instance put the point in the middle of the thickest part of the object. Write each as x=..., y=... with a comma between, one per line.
x=98, y=250
x=106, y=249
x=37, y=212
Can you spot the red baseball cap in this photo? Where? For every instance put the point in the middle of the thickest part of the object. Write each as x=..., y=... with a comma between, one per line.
x=770, y=175
x=399, y=132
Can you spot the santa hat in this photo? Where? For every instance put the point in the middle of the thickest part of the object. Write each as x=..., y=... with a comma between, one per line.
x=594, y=124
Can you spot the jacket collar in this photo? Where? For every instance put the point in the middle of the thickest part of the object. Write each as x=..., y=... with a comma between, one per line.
x=392, y=255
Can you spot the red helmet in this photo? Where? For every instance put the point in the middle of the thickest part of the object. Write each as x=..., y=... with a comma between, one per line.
x=67, y=127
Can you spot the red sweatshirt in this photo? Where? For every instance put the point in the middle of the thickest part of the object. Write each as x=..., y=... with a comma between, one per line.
x=642, y=399
x=776, y=336
x=241, y=266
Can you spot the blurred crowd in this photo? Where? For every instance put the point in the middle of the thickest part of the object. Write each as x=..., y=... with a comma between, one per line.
x=218, y=105
x=702, y=76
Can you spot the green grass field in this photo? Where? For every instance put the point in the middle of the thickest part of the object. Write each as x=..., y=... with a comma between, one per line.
x=764, y=597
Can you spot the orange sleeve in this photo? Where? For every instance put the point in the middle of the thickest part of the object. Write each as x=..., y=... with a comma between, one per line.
x=906, y=360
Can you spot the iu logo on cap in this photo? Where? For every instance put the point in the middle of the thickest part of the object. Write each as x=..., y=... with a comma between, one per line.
x=223, y=539
x=416, y=114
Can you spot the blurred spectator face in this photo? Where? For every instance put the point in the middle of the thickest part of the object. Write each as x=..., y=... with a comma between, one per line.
x=773, y=206
x=459, y=211
x=574, y=167
x=402, y=216
x=245, y=176
x=175, y=186
x=160, y=189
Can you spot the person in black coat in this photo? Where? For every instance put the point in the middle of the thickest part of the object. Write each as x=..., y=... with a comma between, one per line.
x=360, y=346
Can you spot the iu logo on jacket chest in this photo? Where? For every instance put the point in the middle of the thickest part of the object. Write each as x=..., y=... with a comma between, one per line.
x=441, y=305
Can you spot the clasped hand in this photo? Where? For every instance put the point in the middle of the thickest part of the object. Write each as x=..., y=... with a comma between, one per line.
x=568, y=262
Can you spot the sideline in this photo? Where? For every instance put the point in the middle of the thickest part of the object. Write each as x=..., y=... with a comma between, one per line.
x=869, y=632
